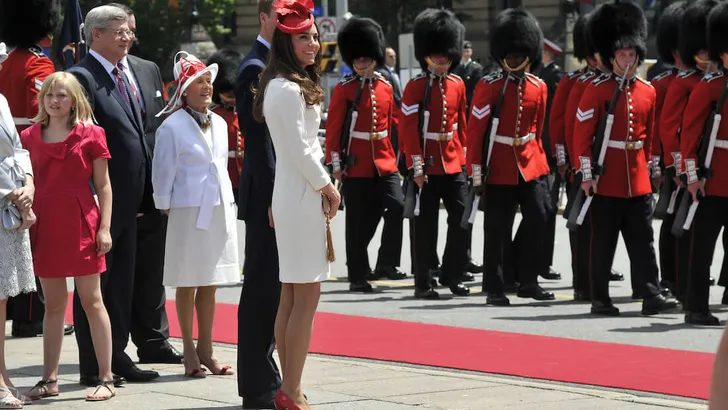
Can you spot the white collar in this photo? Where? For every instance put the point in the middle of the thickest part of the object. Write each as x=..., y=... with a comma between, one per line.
x=263, y=41
x=108, y=65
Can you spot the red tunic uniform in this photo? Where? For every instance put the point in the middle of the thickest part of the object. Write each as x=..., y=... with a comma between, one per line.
x=236, y=144
x=446, y=130
x=671, y=116
x=702, y=100
x=64, y=238
x=517, y=148
x=577, y=90
x=369, y=143
x=557, y=122
x=661, y=83
x=630, y=144
x=21, y=77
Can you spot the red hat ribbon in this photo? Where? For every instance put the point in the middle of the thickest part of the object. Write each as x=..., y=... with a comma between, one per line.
x=294, y=16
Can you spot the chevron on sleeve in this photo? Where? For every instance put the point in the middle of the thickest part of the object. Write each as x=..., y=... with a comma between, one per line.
x=584, y=115
x=481, y=113
x=410, y=109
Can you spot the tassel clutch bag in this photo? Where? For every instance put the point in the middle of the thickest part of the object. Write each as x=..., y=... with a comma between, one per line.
x=330, y=255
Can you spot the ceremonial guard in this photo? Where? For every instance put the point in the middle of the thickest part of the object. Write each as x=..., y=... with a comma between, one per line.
x=557, y=133
x=706, y=166
x=511, y=157
x=551, y=74
x=361, y=156
x=594, y=69
x=27, y=28
x=674, y=87
x=432, y=133
x=223, y=104
x=622, y=199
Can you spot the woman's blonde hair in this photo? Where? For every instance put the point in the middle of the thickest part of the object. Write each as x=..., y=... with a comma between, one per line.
x=81, y=111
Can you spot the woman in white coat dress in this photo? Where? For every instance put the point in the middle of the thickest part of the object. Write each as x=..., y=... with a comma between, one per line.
x=288, y=99
x=192, y=186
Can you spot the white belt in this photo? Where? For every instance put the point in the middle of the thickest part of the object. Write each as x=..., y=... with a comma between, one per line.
x=369, y=136
x=22, y=121
x=626, y=145
x=234, y=154
x=515, y=142
x=722, y=144
x=438, y=136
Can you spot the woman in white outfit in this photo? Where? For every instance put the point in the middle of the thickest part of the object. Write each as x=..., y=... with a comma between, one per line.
x=16, y=216
x=289, y=99
x=192, y=186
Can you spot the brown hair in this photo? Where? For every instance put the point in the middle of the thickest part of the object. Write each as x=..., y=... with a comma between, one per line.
x=265, y=6
x=81, y=111
x=283, y=62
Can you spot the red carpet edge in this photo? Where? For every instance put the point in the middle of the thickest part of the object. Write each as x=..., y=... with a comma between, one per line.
x=648, y=369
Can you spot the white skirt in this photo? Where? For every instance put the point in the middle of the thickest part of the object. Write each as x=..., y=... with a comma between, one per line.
x=194, y=257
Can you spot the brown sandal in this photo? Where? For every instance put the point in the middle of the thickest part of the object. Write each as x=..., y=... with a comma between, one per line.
x=105, y=384
x=42, y=389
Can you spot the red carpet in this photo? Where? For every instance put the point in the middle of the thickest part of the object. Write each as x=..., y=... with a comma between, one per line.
x=665, y=371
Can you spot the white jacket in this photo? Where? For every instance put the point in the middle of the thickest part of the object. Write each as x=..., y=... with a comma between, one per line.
x=186, y=171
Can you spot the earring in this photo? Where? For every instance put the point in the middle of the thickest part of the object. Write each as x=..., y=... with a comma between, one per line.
x=184, y=94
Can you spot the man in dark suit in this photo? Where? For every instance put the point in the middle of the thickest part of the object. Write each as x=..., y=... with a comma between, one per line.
x=258, y=375
x=149, y=325
x=470, y=71
x=117, y=110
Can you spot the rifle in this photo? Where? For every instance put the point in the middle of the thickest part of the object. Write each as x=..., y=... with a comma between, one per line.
x=582, y=202
x=345, y=140
x=411, y=190
x=688, y=206
x=668, y=196
x=477, y=188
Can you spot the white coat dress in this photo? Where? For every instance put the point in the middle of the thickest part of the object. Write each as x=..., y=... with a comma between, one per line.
x=297, y=209
x=190, y=178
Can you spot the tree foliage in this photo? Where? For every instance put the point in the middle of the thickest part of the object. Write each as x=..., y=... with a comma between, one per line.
x=163, y=24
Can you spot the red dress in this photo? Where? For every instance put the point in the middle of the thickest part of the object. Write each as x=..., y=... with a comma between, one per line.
x=63, y=239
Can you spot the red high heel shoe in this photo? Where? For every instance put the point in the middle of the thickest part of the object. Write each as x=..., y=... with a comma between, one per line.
x=283, y=402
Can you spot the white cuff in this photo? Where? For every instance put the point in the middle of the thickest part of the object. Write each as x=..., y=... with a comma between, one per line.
x=417, y=165
x=335, y=162
x=677, y=161
x=162, y=201
x=691, y=171
x=477, y=175
x=655, y=167
x=560, y=154
x=586, y=168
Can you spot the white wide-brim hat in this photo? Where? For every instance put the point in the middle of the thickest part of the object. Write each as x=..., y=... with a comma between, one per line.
x=187, y=69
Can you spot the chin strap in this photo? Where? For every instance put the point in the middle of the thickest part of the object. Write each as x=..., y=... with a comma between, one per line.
x=362, y=72
x=431, y=64
x=522, y=66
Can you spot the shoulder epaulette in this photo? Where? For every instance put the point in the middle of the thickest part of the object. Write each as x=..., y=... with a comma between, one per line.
x=602, y=78
x=587, y=76
x=534, y=79
x=575, y=73
x=685, y=73
x=662, y=75
x=454, y=76
x=37, y=51
x=420, y=76
x=348, y=78
x=493, y=77
x=643, y=81
x=712, y=76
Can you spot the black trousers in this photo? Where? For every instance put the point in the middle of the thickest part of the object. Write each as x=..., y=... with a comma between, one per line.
x=607, y=217
x=117, y=288
x=27, y=308
x=452, y=190
x=258, y=375
x=501, y=202
x=711, y=216
x=149, y=324
x=723, y=279
x=367, y=200
x=674, y=255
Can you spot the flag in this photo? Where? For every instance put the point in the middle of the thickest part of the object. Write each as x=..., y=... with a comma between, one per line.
x=71, y=44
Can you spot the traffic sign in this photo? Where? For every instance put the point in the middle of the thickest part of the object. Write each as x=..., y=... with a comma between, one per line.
x=326, y=25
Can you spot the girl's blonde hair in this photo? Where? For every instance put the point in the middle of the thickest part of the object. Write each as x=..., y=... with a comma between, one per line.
x=81, y=111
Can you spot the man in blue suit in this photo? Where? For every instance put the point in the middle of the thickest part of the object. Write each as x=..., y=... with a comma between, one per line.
x=258, y=375
x=117, y=110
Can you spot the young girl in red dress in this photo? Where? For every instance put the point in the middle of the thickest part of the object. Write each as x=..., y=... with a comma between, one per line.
x=71, y=234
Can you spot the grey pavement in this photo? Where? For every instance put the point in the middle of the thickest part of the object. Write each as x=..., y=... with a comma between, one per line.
x=331, y=383
x=560, y=318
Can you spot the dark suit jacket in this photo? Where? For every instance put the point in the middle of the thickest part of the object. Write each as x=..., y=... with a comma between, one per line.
x=149, y=78
x=471, y=73
x=259, y=165
x=129, y=167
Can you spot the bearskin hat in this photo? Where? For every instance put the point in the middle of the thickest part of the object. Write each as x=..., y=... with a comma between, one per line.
x=668, y=31
x=438, y=32
x=692, y=33
x=516, y=30
x=718, y=32
x=615, y=25
x=24, y=23
x=581, y=40
x=227, y=69
x=361, y=37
